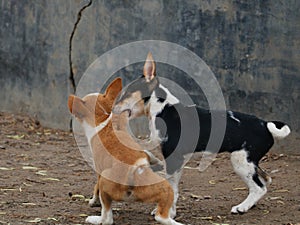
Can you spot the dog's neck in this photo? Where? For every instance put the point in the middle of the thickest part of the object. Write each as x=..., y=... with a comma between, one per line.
x=90, y=131
x=160, y=97
x=121, y=121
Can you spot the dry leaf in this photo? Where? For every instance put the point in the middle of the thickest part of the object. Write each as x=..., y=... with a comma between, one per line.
x=42, y=172
x=8, y=189
x=266, y=212
x=280, y=202
x=16, y=137
x=78, y=196
x=52, y=218
x=83, y=215
x=2, y=213
x=6, y=169
x=28, y=185
x=28, y=204
x=281, y=191
x=221, y=223
x=206, y=218
x=239, y=188
x=274, y=198
x=197, y=196
x=221, y=218
x=212, y=182
x=36, y=220
x=29, y=168
x=50, y=178
x=275, y=171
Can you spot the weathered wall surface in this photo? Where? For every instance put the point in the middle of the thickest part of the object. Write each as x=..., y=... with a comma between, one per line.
x=252, y=47
x=34, y=66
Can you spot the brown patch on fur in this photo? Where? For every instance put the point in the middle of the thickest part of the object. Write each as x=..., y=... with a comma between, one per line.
x=122, y=165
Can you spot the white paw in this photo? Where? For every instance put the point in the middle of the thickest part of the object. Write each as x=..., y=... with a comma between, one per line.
x=239, y=209
x=94, y=219
x=154, y=212
x=173, y=212
x=94, y=202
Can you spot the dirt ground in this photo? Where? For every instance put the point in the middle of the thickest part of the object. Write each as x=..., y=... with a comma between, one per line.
x=44, y=180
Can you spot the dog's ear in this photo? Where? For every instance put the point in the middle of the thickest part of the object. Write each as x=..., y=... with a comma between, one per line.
x=149, y=70
x=70, y=102
x=114, y=88
x=76, y=105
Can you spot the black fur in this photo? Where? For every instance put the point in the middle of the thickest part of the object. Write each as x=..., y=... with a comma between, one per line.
x=180, y=135
x=242, y=132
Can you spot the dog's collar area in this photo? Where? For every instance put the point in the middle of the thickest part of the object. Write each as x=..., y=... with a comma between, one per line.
x=90, y=131
x=104, y=123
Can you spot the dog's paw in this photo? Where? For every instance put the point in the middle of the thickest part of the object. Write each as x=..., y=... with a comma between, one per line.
x=94, y=202
x=153, y=212
x=94, y=219
x=173, y=212
x=239, y=209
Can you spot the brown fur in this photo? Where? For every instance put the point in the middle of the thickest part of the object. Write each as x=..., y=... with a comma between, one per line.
x=119, y=160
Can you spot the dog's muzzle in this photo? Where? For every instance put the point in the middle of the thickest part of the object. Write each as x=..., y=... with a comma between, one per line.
x=119, y=110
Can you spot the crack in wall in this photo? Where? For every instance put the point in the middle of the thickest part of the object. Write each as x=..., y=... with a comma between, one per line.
x=79, y=14
x=72, y=76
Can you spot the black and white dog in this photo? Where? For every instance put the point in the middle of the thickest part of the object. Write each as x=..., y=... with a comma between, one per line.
x=247, y=137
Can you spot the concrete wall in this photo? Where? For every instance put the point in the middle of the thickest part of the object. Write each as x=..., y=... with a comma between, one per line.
x=252, y=46
x=34, y=65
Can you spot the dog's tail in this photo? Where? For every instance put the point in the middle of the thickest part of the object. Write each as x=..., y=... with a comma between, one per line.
x=278, y=129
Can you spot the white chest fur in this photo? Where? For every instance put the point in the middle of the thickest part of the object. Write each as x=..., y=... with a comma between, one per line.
x=90, y=131
x=156, y=107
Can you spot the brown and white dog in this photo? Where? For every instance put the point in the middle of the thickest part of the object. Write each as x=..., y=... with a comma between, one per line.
x=123, y=167
x=247, y=137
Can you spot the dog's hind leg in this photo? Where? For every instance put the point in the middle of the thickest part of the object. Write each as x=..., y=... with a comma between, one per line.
x=248, y=172
x=106, y=211
x=174, y=182
x=95, y=201
x=163, y=212
x=166, y=221
x=106, y=217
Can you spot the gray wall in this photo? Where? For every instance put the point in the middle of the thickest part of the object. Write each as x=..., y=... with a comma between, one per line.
x=252, y=47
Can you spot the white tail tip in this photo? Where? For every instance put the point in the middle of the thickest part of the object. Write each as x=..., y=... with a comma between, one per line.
x=278, y=133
